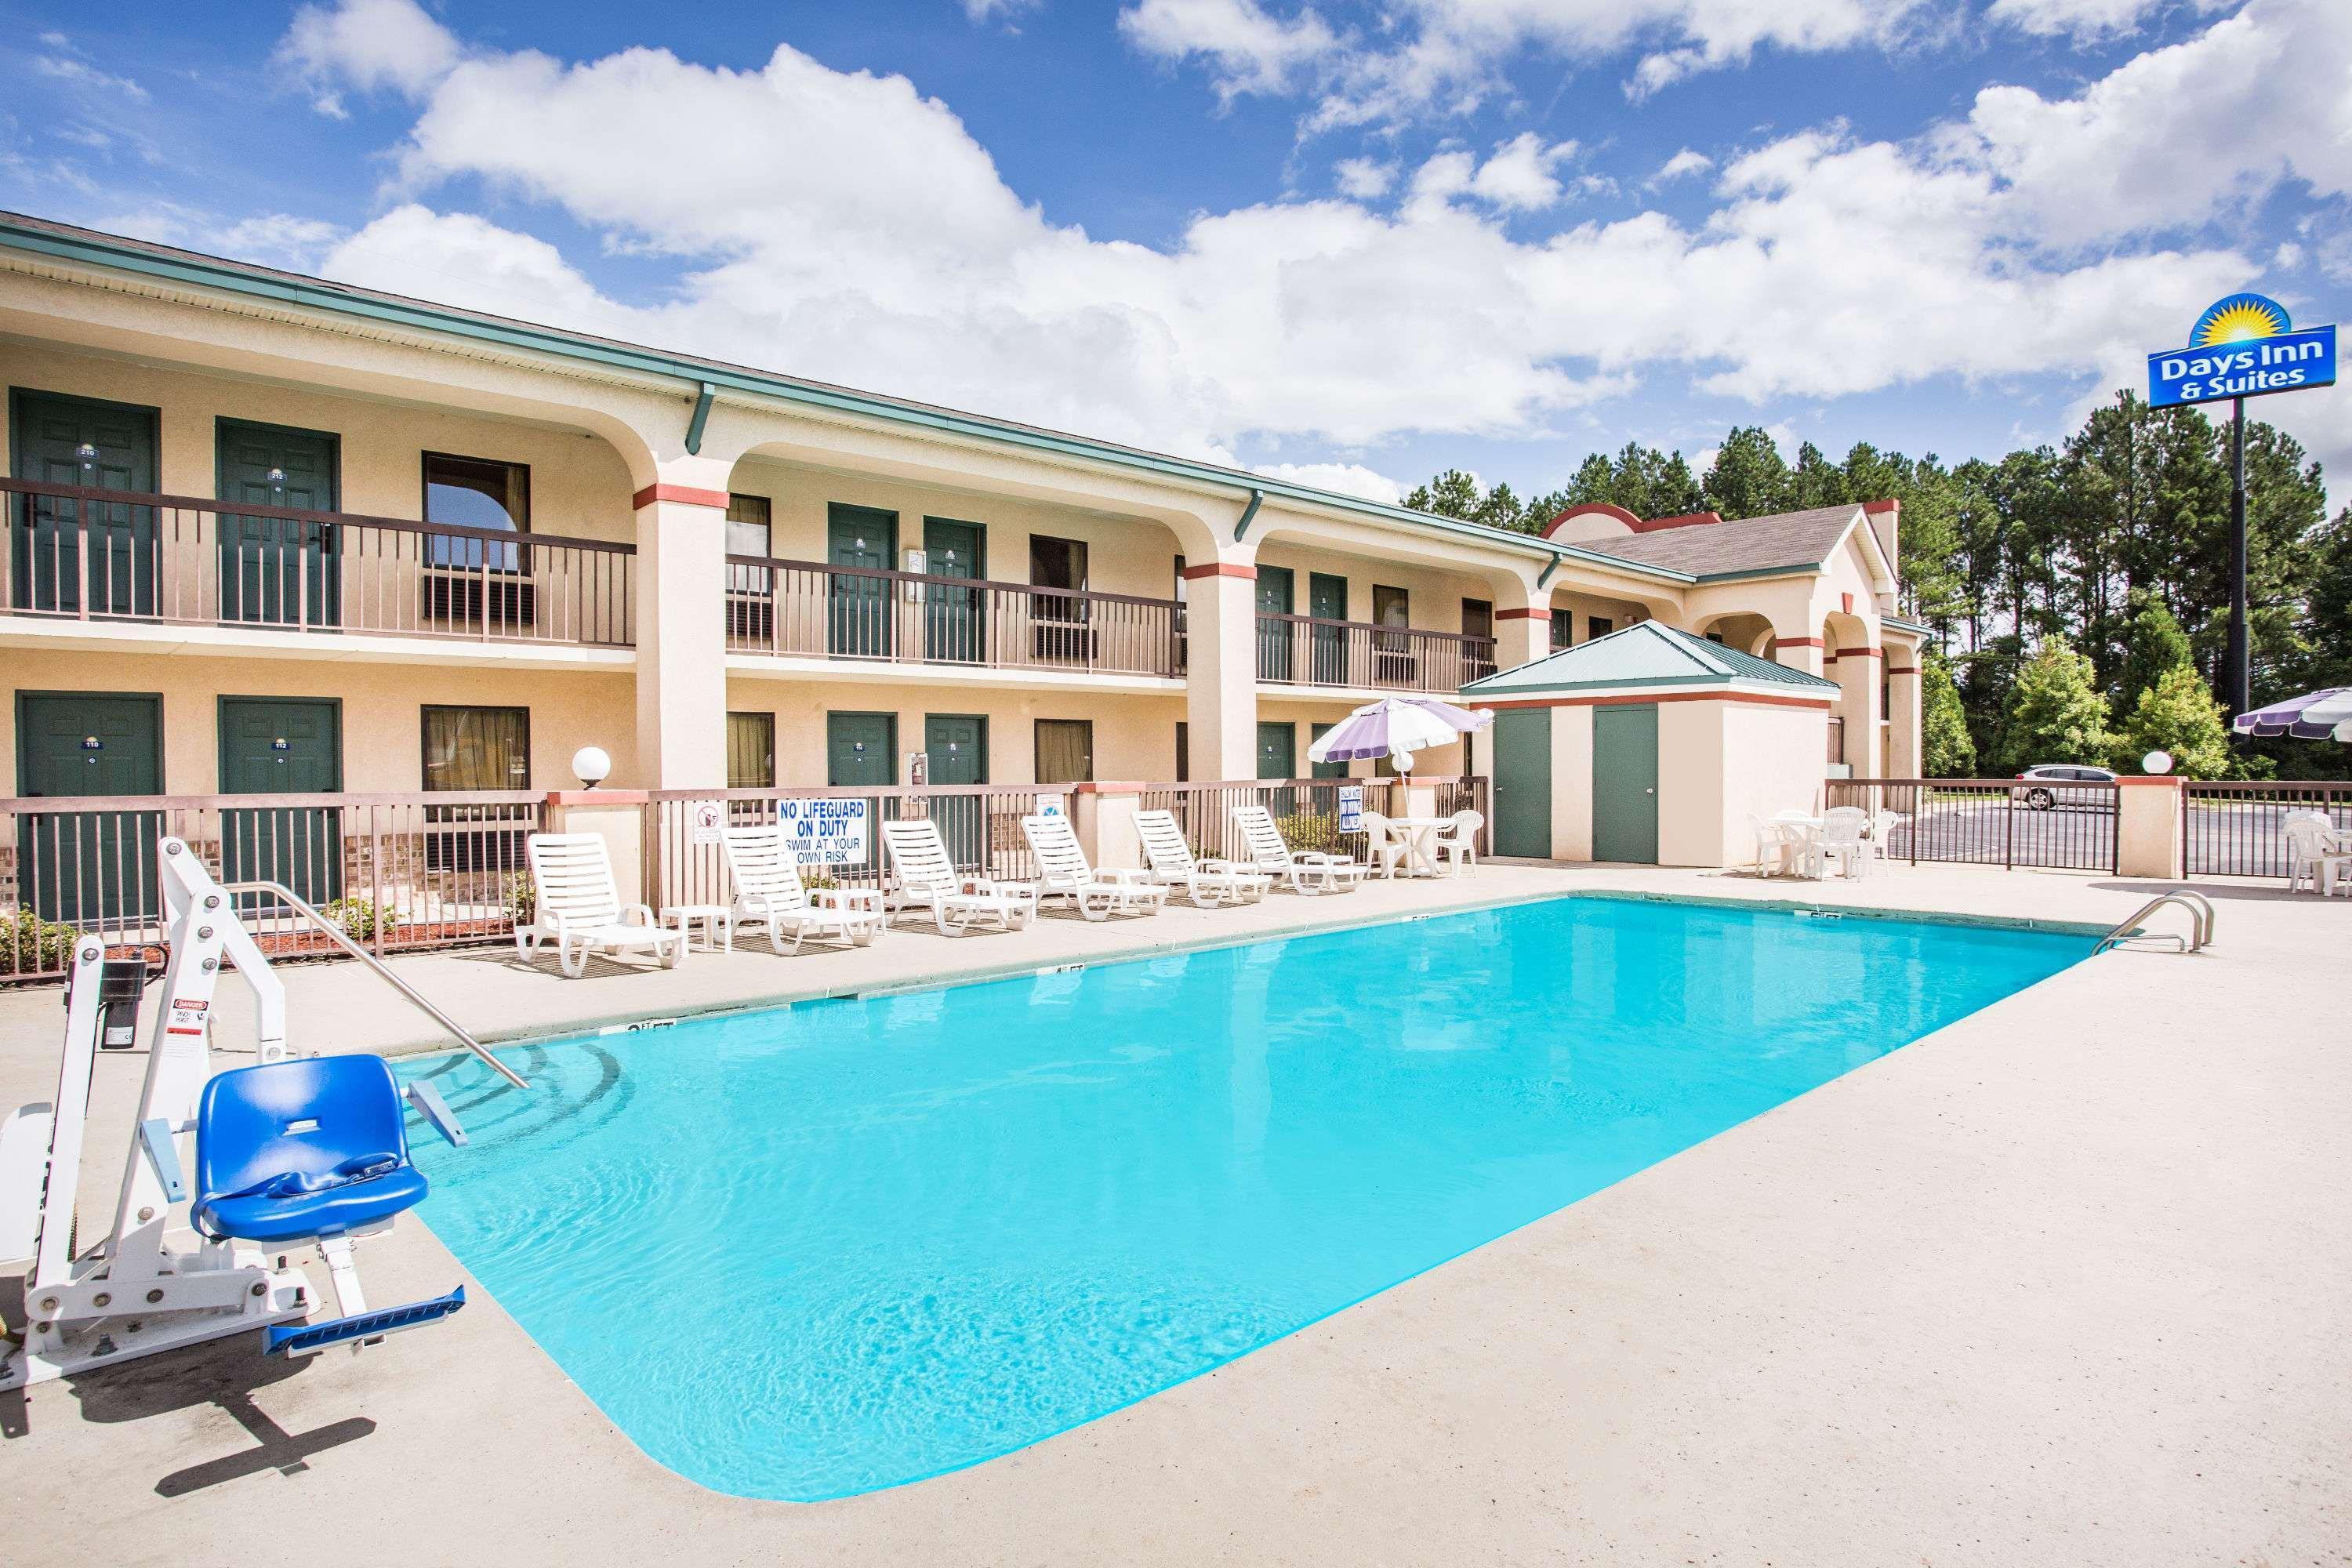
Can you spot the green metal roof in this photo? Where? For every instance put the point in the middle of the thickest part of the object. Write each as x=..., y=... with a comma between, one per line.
x=1647, y=653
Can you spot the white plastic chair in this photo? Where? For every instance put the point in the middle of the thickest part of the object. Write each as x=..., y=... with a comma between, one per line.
x=1843, y=841
x=1780, y=846
x=1392, y=856
x=577, y=905
x=1458, y=844
x=1309, y=873
x=1063, y=873
x=2315, y=853
x=928, y=879
x=769, y=893
x=1207, y=883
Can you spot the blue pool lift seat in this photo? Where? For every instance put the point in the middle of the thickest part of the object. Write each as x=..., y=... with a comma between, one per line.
x=299, y=1150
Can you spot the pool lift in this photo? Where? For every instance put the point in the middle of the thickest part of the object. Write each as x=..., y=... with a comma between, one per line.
x=288, y=1153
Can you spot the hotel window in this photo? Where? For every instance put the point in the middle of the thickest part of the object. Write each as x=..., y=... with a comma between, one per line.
x=748, y=531
x=751, y=751
x=1065, y=750
x=1183, y=753
x=479, y=493
x=1597, y=626
x=1057, y=563
x=1477, y=621
x=1563, y=629
x=750, y=615
x=476, y=748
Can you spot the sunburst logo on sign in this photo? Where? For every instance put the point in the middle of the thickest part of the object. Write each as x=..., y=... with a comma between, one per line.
x=2239, y=319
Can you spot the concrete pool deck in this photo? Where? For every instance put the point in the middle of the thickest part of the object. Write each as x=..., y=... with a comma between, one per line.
x=2062, y=1283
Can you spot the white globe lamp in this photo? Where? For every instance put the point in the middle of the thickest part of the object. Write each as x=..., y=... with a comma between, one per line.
x=2156, y=764
x=1403, y=762
x=592, y=765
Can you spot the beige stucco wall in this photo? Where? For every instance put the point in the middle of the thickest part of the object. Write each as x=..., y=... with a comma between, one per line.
x=1773, y=756
x=1691, y=783
x=1571, y=783
x=579, y=484
x=381, y=703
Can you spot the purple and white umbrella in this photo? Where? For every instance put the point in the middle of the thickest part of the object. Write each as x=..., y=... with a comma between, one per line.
x=1396, y=726
x=2313, y=716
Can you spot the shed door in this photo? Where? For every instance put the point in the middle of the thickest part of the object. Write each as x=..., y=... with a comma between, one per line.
x=1625, y=784
x=1523, y=782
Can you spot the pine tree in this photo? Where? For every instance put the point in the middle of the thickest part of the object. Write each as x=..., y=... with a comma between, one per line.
x=1946, y=749
x=1450, y=494
x=2179, y=715
x=2154, y=647
x=1816, y=481
x=2055, y=712
x=1749, y=477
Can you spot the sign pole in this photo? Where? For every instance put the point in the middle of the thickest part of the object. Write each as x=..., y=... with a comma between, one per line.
x=2239, y=675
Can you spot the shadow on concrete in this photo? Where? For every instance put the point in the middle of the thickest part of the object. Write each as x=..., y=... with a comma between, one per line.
x=226, y=1373
x=2220, y=893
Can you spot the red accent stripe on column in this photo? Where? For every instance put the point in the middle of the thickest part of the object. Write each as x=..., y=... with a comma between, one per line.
x=1523, y=614
x=1902, y=670
x=1780, y=643
x=679, y=495
x=1217, y=569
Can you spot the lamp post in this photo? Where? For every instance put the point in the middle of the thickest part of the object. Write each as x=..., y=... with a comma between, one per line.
x=2238, y=674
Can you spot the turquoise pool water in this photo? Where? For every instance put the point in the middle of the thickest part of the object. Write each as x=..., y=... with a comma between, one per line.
x=814, y=1251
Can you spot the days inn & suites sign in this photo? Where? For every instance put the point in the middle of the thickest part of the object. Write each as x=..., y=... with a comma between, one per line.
x=2243, y=346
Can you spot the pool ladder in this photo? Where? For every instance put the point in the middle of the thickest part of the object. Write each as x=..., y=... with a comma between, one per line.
x=2200, y=922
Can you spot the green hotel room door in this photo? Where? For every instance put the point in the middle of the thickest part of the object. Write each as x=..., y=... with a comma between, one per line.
x=272, y=570
x=858, y=608
x=282, y=745
x=65, y=555
x=1523, y=782
x=955, y=752
x=1625, y=784
x=954, y=624
x=87, y=868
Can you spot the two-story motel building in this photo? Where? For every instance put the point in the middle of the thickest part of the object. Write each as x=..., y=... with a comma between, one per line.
x=354, y=541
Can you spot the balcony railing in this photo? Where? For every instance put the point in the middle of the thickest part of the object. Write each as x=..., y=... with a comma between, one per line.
x=803, y=607
x=116, y=555
x=1302, y=650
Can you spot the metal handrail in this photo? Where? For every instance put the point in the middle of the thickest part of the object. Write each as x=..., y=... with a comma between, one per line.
x=304, y=907
x=2200, y=917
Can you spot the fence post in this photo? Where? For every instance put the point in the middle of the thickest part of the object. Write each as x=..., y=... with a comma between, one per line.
x=618, y=815
x=2148, y=818
x=1103, y=816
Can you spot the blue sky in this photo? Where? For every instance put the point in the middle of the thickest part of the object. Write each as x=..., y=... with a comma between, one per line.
x=1352, y=242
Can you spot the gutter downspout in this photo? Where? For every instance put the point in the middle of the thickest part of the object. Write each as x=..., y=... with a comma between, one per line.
x=701, y=417
x=1249, y=514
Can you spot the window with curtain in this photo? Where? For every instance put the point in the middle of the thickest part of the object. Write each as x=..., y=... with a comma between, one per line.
x=751, y=751
x=476, y=748
x=1065, y=750
x=749, y=613
x=476, y=493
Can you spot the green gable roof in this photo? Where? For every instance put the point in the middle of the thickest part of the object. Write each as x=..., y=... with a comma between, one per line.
x=1645, y=654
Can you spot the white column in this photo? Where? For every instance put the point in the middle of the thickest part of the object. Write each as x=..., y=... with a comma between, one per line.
x=1522, y=636
x=1220, y=668
x=1856, y=673
x=681, y=569
x=1904, y=757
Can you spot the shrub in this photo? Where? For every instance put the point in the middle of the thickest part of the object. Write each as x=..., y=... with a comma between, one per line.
x=31, y=945
x=360, y=918
x=522, y=896
x=1307, y=832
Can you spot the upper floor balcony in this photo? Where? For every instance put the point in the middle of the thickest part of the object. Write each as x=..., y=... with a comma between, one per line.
x=811, y=609
x=77, y=553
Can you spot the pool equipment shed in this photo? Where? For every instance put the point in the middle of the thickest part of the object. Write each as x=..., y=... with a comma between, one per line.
x=1653, y=746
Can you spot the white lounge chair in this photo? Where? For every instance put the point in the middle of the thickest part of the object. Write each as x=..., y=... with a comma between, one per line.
x=1063, y=873
x=2315, y=852
x=1392, y=856
x=1309, y=872
x=769, y=893
x=1459, y=842
x=1207, y=883
x=928, y=879
x=577, y=905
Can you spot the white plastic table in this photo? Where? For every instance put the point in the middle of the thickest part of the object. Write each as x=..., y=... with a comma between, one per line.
x=717, y=920
x=1420, y=836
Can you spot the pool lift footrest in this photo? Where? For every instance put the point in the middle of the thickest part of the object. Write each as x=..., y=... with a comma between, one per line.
x=307, y=1339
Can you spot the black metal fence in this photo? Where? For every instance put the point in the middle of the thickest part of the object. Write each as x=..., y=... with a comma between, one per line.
x=2058, y=825
x=2240, y=829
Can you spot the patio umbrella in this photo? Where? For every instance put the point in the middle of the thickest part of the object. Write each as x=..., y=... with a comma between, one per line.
x=1396, y=726
x=2313, y=716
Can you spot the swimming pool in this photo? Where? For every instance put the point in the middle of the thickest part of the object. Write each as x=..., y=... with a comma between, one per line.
x=809, y=1252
